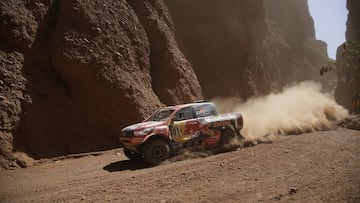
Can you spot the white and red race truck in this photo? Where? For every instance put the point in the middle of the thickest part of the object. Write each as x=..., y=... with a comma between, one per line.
x=193, y=126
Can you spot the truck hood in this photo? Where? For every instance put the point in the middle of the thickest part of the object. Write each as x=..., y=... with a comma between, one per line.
x=143, y=125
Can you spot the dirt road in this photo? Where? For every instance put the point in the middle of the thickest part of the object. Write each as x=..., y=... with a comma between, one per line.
x=315, y=167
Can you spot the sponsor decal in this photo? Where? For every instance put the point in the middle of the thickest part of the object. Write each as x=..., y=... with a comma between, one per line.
x=204, y=110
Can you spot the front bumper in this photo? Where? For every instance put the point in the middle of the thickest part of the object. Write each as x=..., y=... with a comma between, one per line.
x=132, y=142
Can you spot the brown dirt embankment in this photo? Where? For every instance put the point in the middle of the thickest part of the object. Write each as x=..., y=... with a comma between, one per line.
x=315, y=167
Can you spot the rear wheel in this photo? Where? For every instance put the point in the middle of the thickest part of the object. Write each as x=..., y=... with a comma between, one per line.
x=228, y=137
x=132, y=155
x=156, y=151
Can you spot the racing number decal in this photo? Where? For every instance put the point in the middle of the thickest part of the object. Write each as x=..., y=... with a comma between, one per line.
x=178, y=132
x=175, y=131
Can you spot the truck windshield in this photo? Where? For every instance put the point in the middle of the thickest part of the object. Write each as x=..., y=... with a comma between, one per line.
x=161, y=115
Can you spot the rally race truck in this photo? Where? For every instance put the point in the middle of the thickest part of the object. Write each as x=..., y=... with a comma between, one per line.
x=174, y=128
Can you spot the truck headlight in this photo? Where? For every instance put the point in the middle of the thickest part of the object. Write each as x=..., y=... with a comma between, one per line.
x=143, y=132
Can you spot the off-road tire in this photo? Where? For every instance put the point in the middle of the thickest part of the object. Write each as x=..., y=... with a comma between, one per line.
x=227, y=138
x=132, y=155
x=156, y=152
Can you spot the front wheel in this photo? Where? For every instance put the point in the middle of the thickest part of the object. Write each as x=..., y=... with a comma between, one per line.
x=132, y=155
x=156, y=151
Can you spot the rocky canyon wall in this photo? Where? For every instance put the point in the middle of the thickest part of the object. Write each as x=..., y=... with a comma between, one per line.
x=74, y=73
x=255, y=46
x=292, y=51
x=348, y=61
x=218, y=38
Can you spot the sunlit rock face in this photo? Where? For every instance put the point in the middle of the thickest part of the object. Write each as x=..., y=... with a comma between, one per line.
x=348, y=61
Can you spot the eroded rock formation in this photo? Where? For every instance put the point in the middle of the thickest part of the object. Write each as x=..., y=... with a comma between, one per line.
x=348, y=61
x=73, y=73
x=219, y=38
x=255, y=46
x=292, y=51
x=173, y=78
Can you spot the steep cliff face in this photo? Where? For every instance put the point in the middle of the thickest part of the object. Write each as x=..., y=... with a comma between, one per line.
x=255, y=46
x=353, y=21
x=291, y=47
x=73, y=73
x=173, y=78
x=19, y=41
x=12, y=86
x=348, y=61
x=218, y=39
x=104, y=71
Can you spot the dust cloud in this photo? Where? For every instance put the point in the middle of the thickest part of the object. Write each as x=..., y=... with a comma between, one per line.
x=296, y=109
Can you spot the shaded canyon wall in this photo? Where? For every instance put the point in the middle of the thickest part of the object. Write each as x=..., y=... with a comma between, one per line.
x=348, y=61
x=73, y=73
x=255, y=46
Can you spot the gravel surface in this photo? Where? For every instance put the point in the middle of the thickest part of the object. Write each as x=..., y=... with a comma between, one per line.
x=314, y=167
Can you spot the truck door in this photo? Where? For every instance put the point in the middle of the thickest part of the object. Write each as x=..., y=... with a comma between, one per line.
x=185, y=125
